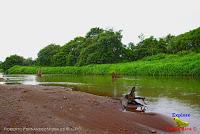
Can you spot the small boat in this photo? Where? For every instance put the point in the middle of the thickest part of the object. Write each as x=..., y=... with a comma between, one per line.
x=39, y=73
x=115, y=75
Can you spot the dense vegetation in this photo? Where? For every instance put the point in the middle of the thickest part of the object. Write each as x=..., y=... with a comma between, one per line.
x=15, y=60
x=101, y=46
x=97, y=47
x=162, y=64
x=1, y=68
x=104, y=46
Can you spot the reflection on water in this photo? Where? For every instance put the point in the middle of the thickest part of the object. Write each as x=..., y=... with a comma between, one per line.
x=166, y=95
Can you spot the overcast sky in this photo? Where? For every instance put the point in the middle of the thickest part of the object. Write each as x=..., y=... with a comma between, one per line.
x=26, y=26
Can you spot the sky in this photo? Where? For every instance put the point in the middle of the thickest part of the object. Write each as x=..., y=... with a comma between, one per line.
x=26, y=26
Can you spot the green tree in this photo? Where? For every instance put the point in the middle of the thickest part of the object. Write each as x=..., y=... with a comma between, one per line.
x=94, y=32
x=29, y=62
x=100, y=46
x=105, y=47
x=45, y=55
x=1, y=66
x=147, y=47
x=69, y=53
x=59, y=59
x=12, y=61
x=188, y=41
x=76, y=46
x=131, y=46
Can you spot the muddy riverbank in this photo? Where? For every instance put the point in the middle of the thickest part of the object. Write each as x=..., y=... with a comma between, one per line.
x=46, y=109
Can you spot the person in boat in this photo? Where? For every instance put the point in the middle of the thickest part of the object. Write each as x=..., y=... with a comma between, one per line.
x=115, y=75
x=39, y=73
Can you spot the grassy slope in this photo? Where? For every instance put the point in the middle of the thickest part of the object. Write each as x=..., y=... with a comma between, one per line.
x=181, y=64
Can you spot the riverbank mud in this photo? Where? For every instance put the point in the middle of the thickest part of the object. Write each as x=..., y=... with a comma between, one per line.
x=46, y=109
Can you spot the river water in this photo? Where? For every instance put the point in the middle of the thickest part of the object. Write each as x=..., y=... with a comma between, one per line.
x=166, y=95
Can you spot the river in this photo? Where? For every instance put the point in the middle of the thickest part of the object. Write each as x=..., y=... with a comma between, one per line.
x=166, y=95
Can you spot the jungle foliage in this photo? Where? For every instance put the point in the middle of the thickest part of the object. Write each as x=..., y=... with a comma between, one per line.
x=100, y=46
x=16, y=60
x=180, y=64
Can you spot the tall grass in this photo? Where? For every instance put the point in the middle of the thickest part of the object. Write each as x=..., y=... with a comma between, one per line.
x=162, y=65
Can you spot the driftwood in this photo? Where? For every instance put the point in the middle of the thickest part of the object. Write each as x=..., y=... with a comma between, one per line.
x=129, y=102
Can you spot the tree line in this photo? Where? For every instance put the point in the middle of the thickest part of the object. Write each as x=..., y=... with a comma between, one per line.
x=100, y=46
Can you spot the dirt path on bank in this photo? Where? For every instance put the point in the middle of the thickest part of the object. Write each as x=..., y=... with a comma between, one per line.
x=44, y=109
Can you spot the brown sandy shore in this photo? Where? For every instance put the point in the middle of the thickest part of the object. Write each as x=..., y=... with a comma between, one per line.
x=42, y=109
